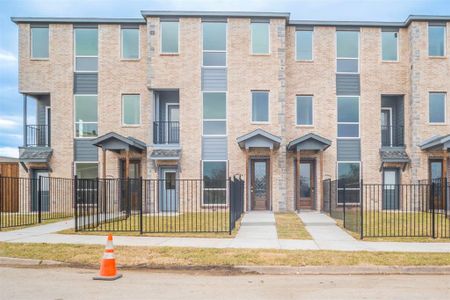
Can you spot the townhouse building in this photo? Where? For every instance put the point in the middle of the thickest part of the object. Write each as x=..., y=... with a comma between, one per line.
x=286, y=103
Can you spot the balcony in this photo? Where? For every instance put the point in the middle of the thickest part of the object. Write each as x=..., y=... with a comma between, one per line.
x=37, y=136
x=166, y=132
x=392, y=136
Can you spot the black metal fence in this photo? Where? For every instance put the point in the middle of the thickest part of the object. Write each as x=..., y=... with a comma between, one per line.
x=166, y=132
x=37, y=136
x=158, y=205
x=28, y=201
x=390, y=210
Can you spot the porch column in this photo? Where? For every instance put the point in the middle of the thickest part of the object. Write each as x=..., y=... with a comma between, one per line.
x=104, y=162
x=246, y=180
x=25, y=103
x=321, y=179
x=297, y=179
x=444, y=165
x=127, y=163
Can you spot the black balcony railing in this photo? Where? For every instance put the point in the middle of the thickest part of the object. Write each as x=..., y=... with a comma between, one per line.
x=37, y=136
x=392, y=136
x=166, y=132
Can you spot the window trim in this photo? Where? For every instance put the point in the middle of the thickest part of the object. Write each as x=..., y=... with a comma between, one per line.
x=397, y=47
x=357, y=58
x=268, y=107
x=161, y=52
x=337, y=118
x=215, y=51
x=312, y=47
x=428, y=41
x=203, y=204
x=75, y=56
x=31, y=44
x=348, y=189
x=123, y=110
x=445, y=109
x=75, y=117
x=269, y=52
x=122, y=58
x=312, y=111
x=226, y=115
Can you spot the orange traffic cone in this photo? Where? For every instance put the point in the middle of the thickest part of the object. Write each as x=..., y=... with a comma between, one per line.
x=108, y=269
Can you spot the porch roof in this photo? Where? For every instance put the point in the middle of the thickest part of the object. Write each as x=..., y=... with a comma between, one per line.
x=35, y=154
x=115, y=142
x=259, y=139
x=311, y=142
x=438, y=142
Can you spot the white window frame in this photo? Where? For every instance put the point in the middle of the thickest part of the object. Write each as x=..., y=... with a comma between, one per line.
x=75, y=56
x=397, y=46
x=312, y=46
x=251, y=40
x=390, y=122
x=445, y=109
x=85, y=162
x=353, y=58
x=348, y=189
x=226, y=114
x=121, y=44
x=215, y=51
x=215, y=189
x=75, y=123
x=296, y=112
x=123, y=110
x=428, y=40
x=31, y=44
x=161, y=52
x=268, y=107
x=359, y=118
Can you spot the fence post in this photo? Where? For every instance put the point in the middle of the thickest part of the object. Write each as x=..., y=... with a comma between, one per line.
x=433, y=225
x=343, y=218
x=39, y=200
x=361, y=207
x=97, y=192
x=141, y=220
x=230, y=208
x=75, y=201
x=329, y=198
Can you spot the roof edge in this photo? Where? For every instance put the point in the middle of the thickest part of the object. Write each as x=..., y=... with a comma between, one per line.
x=188, y=13
x=19, y=20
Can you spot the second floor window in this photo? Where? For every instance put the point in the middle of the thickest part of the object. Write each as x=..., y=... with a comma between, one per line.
x=214, y=44
x=260, y=107
x=131, y=110
x=389, y=45
x=86, y=49
x=436, y=40
x=303, y=44
x=436, y=108
x=260, y=38
x=214, y=113
x=348, y=117
x=169, y=37
x=86, y=118
x=39, y=42
x=130, y=43
x=347, y=46
x=304, y=110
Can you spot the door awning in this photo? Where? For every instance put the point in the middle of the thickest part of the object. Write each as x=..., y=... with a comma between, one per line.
x=309, y=142
x=259, y=139
x=115, y=142
x=438, y=142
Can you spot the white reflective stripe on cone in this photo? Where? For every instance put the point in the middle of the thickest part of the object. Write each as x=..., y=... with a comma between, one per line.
x=108, y=255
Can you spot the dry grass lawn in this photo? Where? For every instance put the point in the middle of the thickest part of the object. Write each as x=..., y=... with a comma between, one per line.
x=290, y=227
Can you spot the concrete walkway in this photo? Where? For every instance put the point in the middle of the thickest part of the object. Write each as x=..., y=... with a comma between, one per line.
x=257, y=231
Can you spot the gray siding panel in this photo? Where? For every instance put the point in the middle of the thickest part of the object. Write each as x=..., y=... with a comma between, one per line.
x=214, y=148
x=349, y=150
x=347, y=84
x=84, y=150
x=214, y=79
x=85, y=83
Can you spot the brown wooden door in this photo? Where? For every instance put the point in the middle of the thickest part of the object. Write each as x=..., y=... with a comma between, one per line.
x=436, y=175
x=260, y=184
x=305, y=185
x=130, y=189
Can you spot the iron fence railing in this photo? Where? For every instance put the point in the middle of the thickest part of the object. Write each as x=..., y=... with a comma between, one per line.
x=37, y=136
x=166, y=132
x=392, y=136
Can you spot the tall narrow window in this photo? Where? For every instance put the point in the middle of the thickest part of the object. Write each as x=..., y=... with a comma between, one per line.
x=130, y=43
x=260, y=106
x=436, y=40
x=86, y=118
x=348, y=117
x=169, y=37
x=131, y=111
x=303, y=44
x=214, y=44
x=347, y=45
x=436, y=108
x=214, y=113
x=214, y=182
x=304, y=110
x=260, y=38
x=86, y=49
x=39, y=42
x=348, y=182
x=389, y=44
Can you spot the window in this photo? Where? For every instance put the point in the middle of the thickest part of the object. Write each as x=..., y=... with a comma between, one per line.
x=85, y=116
x=131, y=111
x=214, y=113
x=86, y=49
x=389, y=41
x=214, y=182
x=436, y=108
x=348, y=117
x=260, y=106
x=348, y=177
x=214, y=44
x=169, y=37
x=85, y=170
x=347, y=46
x=130, y=43
x=39, y=42
x=303, y=44
x=436, y=40
x=304, y=110
x=260, y=38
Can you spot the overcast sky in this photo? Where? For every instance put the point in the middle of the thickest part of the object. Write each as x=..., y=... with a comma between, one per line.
x=11, y=100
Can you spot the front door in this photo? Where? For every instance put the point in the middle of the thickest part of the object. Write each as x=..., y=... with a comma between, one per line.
x=391, y=189
x=168, y=198
x=173, y=118
x=130, y=186
x=436, y=176
x=43, y=188
x=305, y=185
x=260, y=184
x=386, y=127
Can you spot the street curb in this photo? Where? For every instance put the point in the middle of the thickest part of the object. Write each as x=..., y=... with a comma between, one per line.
x=27, y=262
